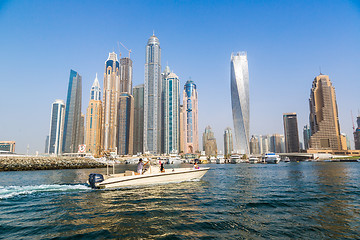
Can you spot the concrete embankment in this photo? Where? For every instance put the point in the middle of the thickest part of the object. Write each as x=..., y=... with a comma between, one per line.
x=25, y=163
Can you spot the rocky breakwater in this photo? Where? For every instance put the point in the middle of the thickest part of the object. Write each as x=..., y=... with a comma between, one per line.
x=24, y=163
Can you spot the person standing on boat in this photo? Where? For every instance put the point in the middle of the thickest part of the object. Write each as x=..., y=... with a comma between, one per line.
x=140, y=166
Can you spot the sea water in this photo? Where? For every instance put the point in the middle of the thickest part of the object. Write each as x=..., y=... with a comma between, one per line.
x=307, y=200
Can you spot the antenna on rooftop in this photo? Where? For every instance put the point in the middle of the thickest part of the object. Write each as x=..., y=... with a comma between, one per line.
x=352, y=119
x=320, y=70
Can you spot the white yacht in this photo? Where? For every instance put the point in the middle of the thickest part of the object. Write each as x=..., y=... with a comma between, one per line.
x=220, y=159
x=152, y=176
x=235, y=158
x=253, y=160
x=212, y=159
x=271, y=158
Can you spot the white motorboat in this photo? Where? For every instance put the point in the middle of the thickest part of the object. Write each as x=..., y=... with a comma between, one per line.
x=271, y=158
x=212, y=159
x=220, y=159
x=253, y=160
x=236, y=158
x=152, y=176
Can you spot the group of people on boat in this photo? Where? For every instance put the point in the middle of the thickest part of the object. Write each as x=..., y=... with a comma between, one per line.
x=141, y=165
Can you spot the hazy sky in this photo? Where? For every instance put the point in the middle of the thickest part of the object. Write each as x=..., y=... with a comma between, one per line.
x=286, y=43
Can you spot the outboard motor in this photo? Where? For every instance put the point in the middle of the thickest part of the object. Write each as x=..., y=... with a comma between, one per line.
x=95, y=178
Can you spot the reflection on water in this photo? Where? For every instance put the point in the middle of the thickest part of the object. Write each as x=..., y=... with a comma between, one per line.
x=293, y=200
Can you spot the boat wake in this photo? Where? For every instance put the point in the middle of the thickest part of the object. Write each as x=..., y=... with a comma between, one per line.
x=13, y=191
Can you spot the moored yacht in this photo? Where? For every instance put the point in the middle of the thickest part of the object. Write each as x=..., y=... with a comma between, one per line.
x=271, y=158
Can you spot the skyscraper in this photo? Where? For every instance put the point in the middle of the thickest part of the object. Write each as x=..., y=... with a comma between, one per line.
x=324, y=120
x=126, y=75
x=47, y=144
x=209, y=142
x=56, y=127
x=357, y=135
x=125, y=124
x=138, y=139
x=181, y=129
x=93, y=120
x=72, y=124
x=110, y=104
x=228, y=141
x=277, y=143
x=291, y=133
x=254, y=145
x=306, y=135
x=152, y=97
x=240, y=101
x=190, y=117
x=171, y=111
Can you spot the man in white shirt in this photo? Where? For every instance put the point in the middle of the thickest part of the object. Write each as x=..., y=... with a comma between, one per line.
x=140, y=166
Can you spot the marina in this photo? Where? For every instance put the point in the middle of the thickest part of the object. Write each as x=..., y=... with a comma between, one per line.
x=254, y=201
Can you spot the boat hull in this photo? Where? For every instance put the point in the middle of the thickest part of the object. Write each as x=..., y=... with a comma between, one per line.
x=178, y=175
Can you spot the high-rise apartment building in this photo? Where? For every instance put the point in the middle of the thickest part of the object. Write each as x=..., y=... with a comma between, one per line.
x=72, y=124
x=324, y=120
x=306, y=136
x=209, y=142
x=254, y=145
x=47, y=144
x=126, y=71
x=126, y=124
x=277, y=143
x=291, y=133
x=228, y=142
x=138, y=93
x=152, y=97
x=240, y=101
x=93, y=120
x=190, y=118
x=357, y=135
x=111, y=94
x=181, y=129
x=56, y=127
x=171, y=111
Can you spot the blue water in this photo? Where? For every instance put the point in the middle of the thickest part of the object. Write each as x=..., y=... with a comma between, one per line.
x=305, y=200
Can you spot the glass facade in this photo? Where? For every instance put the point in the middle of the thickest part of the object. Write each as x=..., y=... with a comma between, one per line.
x=240, y=101
x=56, y=127
x=171, y=112
x=72, y=124
x=152, y=97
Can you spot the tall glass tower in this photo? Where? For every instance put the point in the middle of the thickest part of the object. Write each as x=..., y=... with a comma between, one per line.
x=56, y=127
x=152, y=97
x=240, y=101
x=171, y=108
x=72, y=125
x=190, y=116
x=138, y=92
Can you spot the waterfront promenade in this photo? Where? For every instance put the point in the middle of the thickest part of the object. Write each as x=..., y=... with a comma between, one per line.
x=24, y=163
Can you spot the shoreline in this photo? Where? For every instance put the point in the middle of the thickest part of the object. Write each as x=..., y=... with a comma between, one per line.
x=21, y=163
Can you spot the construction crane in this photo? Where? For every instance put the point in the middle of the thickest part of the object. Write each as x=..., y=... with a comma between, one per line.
x=129, y=50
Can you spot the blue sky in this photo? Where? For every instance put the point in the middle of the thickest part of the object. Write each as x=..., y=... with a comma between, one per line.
x=286, y=43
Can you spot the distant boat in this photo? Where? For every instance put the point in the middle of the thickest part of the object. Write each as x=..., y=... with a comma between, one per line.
x=287, y=159
x=236, y=158
x=253, y=160
x=271, y=158
x=220, y=159
x=212, y=159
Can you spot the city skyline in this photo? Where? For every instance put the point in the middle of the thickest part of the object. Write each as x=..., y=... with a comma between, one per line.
x=276, y=65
